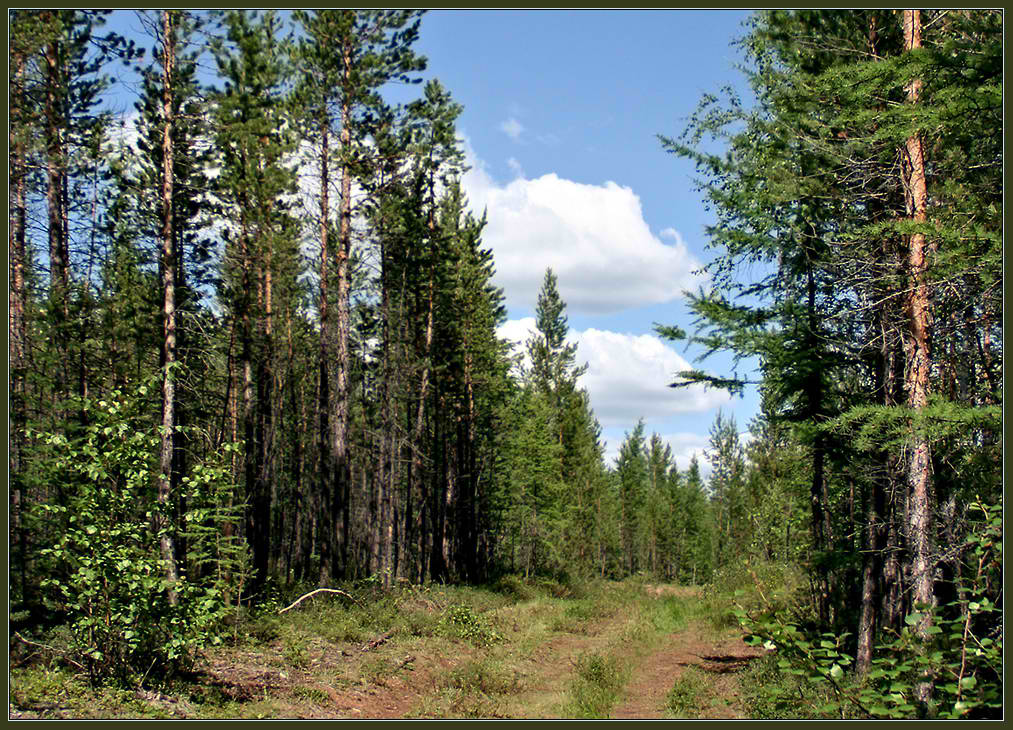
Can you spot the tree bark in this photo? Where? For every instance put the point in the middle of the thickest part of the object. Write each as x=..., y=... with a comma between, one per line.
x=17, y=343
x=168, y=479
x=822, y=537
x=917, y=343
x=919, y=330
x=326, y=466
x=340, y=412
x=59, y=274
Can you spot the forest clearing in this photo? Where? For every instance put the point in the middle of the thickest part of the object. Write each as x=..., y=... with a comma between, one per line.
x=313, y=411
x=526, y=650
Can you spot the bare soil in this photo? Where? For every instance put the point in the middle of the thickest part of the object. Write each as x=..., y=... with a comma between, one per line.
x=720, y=661
x=335, y=681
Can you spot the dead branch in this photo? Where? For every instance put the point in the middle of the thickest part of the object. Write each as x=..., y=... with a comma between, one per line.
x=50, y=648
x=376, y=642
x=313, y=593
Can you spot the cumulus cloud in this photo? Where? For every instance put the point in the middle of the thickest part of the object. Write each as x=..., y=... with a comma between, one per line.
x=594, y=237
x=511, y=128
x=685, y=446
x=627, y=375
x=674, y=235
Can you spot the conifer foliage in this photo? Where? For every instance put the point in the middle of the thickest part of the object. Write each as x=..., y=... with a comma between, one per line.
x=253, y=338
x=856, y=186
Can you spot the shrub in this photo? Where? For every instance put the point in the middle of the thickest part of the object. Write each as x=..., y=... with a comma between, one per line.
x=484, y=677
x=959, y=653
x=462, y=622
x=687, y=695
x=106, y=574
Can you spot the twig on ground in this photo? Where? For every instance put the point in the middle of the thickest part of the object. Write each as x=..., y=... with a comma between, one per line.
x=376, y=642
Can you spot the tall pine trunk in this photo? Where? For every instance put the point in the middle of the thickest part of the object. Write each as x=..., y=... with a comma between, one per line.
x=17, y=329
x=339, y=423
x=919, y=329
x=59, y=274
x=168, y=478
x=327, y=337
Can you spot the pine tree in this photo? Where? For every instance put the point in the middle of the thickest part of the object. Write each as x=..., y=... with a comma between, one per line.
x=347, y=56
x=553, y=368
x=811, y=189
x=699, y=527
x=255, y=140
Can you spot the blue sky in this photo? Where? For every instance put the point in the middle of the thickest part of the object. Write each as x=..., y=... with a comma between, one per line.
x=562, y=109
x=561, y=113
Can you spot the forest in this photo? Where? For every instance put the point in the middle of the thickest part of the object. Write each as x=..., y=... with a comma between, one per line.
x=253, y=352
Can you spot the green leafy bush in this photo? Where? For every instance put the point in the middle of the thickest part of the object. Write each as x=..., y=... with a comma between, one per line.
x=687, y=695
x=485, y=677
x=958, y=651
x=462, y=622
x=104, y=570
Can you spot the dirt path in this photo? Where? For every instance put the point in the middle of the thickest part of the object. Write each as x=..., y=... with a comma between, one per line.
x=527, y=675
x=718, y=664
x=714, y=661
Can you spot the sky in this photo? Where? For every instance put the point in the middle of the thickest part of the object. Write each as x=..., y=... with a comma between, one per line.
x=561, y=112
x=561, y=115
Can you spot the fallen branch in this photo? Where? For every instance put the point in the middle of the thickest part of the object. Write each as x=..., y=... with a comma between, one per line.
x=376, y=642
x=313, y=593
x=52, y=649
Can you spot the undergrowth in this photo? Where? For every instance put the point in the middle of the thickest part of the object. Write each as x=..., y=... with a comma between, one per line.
x=597, y=684
x=687, y=695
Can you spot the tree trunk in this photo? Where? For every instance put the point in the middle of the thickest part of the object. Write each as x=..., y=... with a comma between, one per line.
x=17, y=342
x=339, y=424
x=168, y=478
x=822, y=538
x=919, y=321
x=917, y=344
x=326, y=466
x=59, y=275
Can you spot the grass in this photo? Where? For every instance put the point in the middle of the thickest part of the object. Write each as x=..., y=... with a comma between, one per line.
x=688, y=695
x=519, y=648
x=597, y=685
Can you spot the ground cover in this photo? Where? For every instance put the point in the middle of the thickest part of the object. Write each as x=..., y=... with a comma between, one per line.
x=519, y=649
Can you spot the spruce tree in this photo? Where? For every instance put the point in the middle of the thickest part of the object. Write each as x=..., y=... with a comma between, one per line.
x=633, y=482
x=856, y=269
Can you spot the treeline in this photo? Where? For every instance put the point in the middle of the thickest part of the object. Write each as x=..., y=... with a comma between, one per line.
x=253, y=333
x=858, y=238
x=278, y=259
